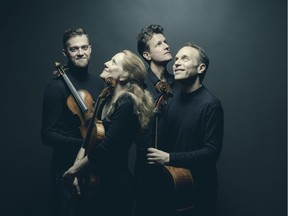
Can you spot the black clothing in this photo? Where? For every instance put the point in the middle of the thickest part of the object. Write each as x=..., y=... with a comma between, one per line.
x=60, y=128
x=110, y=158
x=149, y=191
x=192, y=131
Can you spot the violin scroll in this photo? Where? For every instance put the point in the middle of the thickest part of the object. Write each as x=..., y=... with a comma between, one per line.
x=60, y=69
x=111, y=83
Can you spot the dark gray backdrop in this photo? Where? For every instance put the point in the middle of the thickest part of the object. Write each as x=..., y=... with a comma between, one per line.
x=246, y=41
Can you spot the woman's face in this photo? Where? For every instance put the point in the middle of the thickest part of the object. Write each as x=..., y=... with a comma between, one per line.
x=113, y=68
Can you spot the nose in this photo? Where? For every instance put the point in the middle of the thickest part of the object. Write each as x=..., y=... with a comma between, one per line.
x=80, y=51
x=106, y=64
x=166, y=46
x=177, y=62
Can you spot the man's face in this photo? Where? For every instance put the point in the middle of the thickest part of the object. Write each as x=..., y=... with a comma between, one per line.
x=78, y=51
x=186, y=63
x=159, y=50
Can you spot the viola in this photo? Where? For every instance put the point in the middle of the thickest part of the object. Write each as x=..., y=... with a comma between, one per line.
x=177, y=180
x=96, y=129
x=79, y=102
x=96, y=132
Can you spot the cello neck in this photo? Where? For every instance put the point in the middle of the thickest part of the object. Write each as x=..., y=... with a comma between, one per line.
x=165, y=90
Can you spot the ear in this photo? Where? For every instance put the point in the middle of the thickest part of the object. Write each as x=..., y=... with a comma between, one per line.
x=201, y=68
x=64, y=52
x=123, y=77
x=146, y=55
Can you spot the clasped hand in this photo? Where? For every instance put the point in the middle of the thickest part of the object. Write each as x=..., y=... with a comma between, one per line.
x=72, y=180
x=156, y=156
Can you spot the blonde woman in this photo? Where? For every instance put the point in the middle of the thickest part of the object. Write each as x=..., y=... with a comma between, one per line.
x=125, y=118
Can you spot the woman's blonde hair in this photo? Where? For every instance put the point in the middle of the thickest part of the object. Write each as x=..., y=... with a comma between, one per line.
x=134, y=72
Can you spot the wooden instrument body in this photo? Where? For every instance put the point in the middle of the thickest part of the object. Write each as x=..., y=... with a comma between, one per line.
x=177, y=181
x=181, y=185
x=79, y=102
x=95, y=133
x=84, y=115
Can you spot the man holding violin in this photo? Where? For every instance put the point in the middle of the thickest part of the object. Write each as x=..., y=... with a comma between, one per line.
x=62, y=114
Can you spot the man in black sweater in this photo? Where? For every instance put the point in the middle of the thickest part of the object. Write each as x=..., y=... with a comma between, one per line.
x=154, y=49
x=191, y=129
x=60, y=123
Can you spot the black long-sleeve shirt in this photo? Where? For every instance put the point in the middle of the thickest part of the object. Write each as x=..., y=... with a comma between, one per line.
x=148, y=141
x=121, y=129
x=191, y=131
x=109, y=157
x=60, y=128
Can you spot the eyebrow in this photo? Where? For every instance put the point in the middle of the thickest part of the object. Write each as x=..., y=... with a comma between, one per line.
x=183, y=56
x=159, y=41
x=80, y=46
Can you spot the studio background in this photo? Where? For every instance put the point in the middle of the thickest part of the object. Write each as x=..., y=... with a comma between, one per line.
x=246, y=41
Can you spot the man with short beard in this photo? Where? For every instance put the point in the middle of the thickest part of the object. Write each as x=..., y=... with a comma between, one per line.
x=60, y=127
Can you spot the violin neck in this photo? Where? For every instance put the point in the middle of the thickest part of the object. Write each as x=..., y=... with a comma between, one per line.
x=75, y=94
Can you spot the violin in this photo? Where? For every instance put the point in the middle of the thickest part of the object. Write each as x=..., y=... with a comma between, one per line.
x=79, y=102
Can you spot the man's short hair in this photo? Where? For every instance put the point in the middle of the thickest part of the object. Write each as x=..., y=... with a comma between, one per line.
x=69, y=33
x=145, y=35
x=203, y=58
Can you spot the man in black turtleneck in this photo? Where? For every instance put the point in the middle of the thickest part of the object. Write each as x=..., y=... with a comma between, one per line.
x=191, y=130
x=60, y=127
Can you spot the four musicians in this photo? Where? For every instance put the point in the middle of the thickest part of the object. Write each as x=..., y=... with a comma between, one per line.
x=187, y=127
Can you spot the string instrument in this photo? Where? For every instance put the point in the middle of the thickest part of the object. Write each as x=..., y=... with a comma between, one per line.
x=79, y=102
x=96, y=130
x=177, y=180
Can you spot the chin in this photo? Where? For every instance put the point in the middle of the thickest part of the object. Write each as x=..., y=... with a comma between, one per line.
x=179, y=77
x=169, y=59
x=82, y=65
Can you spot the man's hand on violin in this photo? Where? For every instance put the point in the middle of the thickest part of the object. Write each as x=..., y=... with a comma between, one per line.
x=156, y=156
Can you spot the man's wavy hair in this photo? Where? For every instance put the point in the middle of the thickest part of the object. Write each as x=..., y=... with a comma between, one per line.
x=145, y=35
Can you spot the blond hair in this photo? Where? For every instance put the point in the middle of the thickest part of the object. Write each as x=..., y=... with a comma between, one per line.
x=135, y=72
